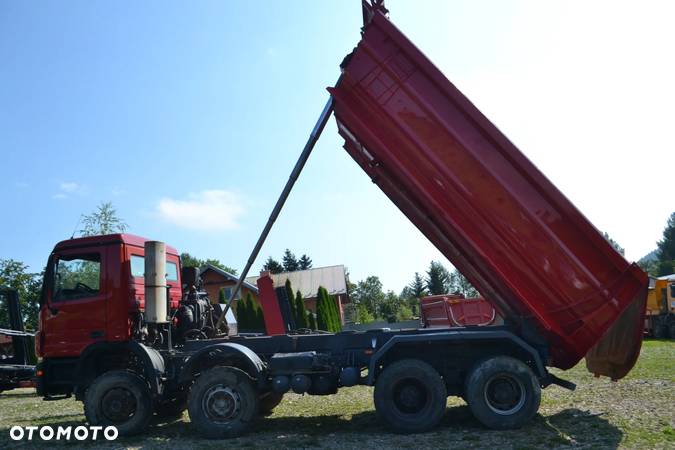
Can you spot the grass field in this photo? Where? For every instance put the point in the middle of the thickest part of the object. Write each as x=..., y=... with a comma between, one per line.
x=637, y=412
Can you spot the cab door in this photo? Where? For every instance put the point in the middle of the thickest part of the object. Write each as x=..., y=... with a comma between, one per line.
x=75, y=314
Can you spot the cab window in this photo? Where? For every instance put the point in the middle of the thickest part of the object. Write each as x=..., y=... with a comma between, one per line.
x=138, y=268
x=77, y=276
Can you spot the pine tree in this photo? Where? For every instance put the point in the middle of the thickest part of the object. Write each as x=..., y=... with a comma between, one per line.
x=321, y=310
x=305, y=262
x=242, y=318
x=260, y=319
x=438, y=278
x=666, y=249
x=221, y=296
x=417, y=288
x=301, y=312
x=291, y=303
x=289, y=261
x=273, y=265
x=337, y=322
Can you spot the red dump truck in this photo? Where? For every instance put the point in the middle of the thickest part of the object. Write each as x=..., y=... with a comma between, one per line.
x=130, y=341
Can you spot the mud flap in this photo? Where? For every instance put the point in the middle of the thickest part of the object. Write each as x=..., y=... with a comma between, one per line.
x=616, y=353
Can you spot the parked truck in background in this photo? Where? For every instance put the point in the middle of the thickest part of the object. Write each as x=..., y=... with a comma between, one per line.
x=455, y=310
x=17, y=360
x=660, y=313
x=128, y=331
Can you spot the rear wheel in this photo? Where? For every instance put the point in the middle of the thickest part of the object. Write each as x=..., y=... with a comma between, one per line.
x=222, y=403
x=410, y=396
x=121, y=399
x=502, y=393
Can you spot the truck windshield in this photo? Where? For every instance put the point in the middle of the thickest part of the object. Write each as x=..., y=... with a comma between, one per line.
x=77, y=277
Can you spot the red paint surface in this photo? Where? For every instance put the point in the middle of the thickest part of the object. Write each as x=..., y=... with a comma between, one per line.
x=68, y=331
x=443, y=311
x=274, y=321
x=480, y=201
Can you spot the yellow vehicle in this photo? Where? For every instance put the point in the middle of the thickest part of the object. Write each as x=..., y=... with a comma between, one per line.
x=660, y=314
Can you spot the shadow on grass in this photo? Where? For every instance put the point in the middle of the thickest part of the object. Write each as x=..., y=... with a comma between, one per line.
x=458, y=428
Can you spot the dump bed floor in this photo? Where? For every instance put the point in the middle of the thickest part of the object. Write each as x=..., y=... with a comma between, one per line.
x=491, y=212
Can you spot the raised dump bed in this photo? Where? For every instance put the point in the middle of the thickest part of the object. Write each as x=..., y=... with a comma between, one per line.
x=491, y=212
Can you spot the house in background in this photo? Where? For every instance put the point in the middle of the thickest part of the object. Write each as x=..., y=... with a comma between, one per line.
x=215, y=279
x=333, y=278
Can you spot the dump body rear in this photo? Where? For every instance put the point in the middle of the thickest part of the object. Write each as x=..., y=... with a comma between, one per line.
x=482, y=203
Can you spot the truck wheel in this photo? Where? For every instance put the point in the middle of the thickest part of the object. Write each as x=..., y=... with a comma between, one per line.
x=222, y=403
x=121, y=399
x=410, y=396
x=172, y=407
x=503, y=393
x=269, y=401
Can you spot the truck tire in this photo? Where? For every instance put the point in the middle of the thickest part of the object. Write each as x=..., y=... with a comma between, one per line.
x=410, y=396
x=172, y=407
x=268, y=402
x=223, y=403
x=121, y=399
x=502, y=393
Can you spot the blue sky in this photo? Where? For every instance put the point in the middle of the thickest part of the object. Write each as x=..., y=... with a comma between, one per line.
x=189, y=116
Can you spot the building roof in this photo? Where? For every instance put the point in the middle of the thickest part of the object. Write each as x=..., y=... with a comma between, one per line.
x=670, y=277
x=228, y=276
x=332, y=278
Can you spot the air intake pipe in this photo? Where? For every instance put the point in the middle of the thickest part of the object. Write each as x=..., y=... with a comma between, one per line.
x=155, y=282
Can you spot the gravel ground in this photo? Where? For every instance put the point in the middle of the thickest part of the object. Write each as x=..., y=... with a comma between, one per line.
x=637, y=412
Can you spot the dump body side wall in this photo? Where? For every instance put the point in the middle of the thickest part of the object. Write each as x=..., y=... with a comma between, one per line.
x=526, y=248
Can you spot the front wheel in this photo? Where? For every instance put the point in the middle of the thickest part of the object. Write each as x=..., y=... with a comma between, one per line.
x=502, y=393
x=410, y=396
x=121, y=399
x=222, y=403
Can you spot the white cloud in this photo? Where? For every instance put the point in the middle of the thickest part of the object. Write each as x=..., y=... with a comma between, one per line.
x=70, y=187
x=207, y=210
x=59, y=196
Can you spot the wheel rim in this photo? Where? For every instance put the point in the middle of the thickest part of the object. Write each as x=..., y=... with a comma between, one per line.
x=118, y=405
x=411, y=396
x=221, y=403
x=504, y=394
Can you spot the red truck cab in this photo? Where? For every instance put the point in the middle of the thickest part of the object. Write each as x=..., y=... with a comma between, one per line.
x=94, y=291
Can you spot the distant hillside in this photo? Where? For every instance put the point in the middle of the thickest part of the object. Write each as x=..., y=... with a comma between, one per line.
x=649, y=257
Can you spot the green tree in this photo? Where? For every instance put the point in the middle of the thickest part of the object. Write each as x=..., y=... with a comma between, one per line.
x=323, y=320
x=304, y=263
x=390, y=306
x=242, y=315
x=300, y=312
x=311, y=320
x=614, y=244
x=417, y=286
x=291, y=302
x=461, y=285
x=187, y=260
x=665, y=250
x=368, y=293
x=260, y=319
x=289, y=261
x=273, y=265
x=335, y=314
x=15, y=274
x=438, y=279
x=102, y=221
x=364, y=316
x=221, y=296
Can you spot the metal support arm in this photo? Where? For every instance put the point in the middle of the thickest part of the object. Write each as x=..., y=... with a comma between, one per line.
x=313, y=137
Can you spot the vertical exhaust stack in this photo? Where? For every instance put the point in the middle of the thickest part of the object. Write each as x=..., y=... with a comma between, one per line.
x=155, y=282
